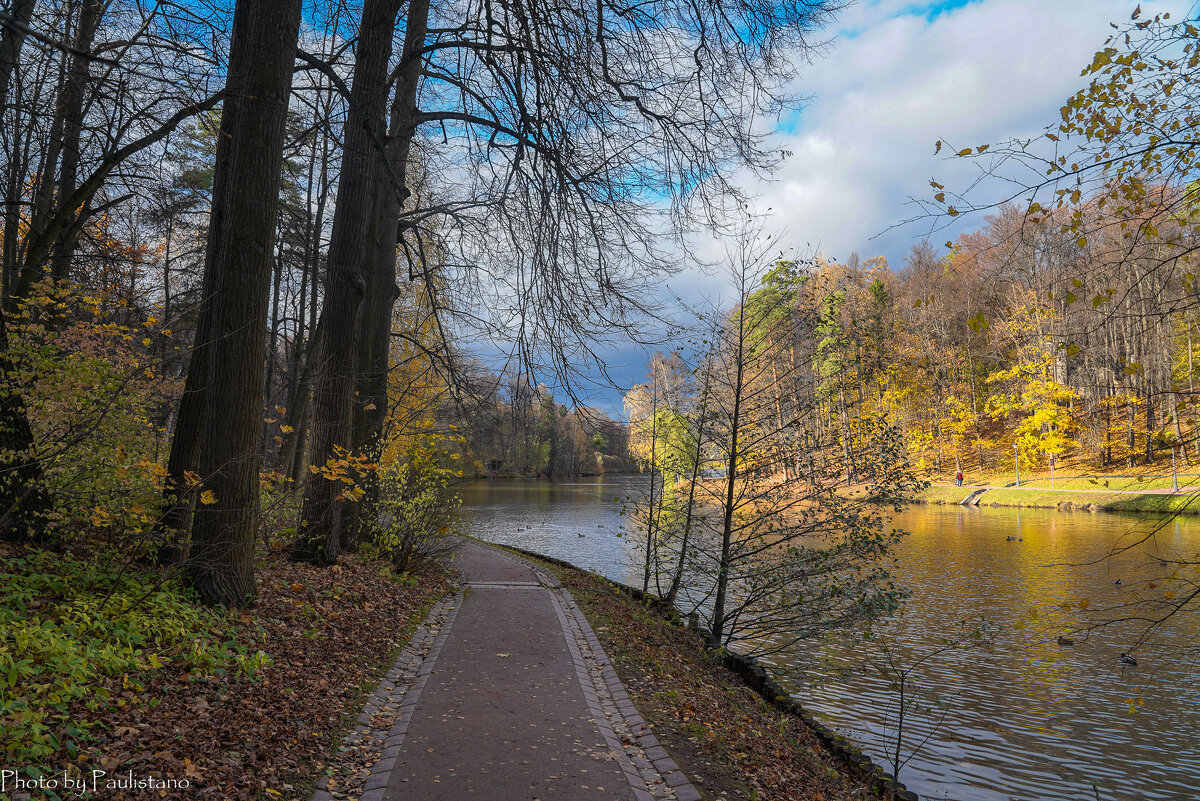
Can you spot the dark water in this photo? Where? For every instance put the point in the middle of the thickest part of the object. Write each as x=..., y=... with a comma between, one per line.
x=1020, y=716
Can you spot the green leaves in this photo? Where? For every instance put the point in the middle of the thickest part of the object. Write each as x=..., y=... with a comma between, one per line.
x=69, y=624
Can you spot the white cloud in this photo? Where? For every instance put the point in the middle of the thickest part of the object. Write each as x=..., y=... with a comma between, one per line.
x=899, y=78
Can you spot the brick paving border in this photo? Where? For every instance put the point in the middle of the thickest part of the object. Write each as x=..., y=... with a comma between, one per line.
x=650, y=770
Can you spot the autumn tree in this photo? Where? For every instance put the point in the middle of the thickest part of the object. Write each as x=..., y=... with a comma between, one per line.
x=555, y=148
x=776, y=550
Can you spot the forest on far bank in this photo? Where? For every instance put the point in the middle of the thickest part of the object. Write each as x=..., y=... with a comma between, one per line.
x=1063, y=328
x=987, y=350
x=1018, y=340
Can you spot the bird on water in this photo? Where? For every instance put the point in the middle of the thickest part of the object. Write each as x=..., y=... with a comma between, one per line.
x=1126, y=659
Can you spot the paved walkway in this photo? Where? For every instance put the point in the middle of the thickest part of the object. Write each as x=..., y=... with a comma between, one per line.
x=504, y=694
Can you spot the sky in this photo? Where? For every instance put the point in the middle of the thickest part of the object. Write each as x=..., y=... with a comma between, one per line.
x=900, y=75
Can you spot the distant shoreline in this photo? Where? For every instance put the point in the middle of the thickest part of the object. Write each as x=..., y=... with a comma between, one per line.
x=1066, y=499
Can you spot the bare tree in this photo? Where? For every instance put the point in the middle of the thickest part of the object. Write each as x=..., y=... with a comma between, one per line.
x=553, y=137
x=777, y=553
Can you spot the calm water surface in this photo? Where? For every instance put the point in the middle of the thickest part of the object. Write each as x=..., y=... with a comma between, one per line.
x=1021, y=717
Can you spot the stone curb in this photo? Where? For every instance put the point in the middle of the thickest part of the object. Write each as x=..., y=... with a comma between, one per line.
x=384, y=719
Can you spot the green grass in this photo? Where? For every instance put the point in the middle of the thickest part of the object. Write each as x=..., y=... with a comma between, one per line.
x=1041, y=497
x=1100, y=482
x=1045, y=498
x=1184, y=503
x=944, y=494
x=1131, y=479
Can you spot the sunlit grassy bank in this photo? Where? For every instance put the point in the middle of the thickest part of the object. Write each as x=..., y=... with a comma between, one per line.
x=1136, y=489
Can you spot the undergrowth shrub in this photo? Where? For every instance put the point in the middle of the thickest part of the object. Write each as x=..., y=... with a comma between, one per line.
x=417, y=507
x=96, y=396
x=69, y=626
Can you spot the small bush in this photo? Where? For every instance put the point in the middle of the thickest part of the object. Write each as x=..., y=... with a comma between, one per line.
x=416, y=510
x=97, y=400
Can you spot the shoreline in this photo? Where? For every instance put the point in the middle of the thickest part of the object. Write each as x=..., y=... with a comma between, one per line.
x=544, y=477
x=1067, y=499
x=681, y=686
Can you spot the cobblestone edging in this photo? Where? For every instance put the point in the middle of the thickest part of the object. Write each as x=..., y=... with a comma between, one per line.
x=383, y=722
x=651, y=772
x=759, y=679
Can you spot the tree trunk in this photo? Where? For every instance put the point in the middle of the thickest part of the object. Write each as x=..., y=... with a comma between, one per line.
x=71, y=105
x=12, y=38
x=371, y=411
x=351, y=255
x=1149, y=426
x=717, y=634
x=23, y=497
x=224, y=422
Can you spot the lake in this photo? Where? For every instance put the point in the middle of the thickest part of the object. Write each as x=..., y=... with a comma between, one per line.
x=1010, y=715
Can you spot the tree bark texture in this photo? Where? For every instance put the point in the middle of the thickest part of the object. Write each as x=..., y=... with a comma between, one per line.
x=352, y=252
x=224, y=426
x=375, y=323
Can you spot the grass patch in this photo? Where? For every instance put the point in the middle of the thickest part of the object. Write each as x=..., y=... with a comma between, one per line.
x=1038, y=498
x=1186, y=503
x=951, y=495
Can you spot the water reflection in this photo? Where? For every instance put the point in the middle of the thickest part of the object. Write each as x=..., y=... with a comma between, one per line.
x=1024, y=718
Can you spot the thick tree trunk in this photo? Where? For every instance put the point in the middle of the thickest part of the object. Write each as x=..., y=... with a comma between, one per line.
x=224, y=396
x=23, y=498
x=12, y=38
x=351, y=258
x=71, y=105
x=371, y=410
